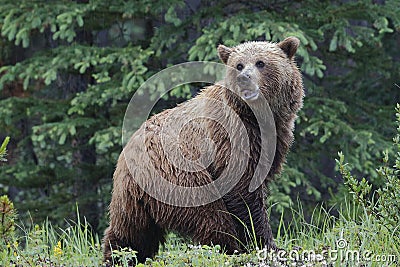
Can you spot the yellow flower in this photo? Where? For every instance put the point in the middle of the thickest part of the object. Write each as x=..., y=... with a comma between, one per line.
x=58, y=250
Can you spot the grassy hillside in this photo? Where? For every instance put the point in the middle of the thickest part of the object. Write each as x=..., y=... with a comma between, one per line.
x=355, y=238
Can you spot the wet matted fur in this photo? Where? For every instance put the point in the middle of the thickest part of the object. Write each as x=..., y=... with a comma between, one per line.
x=140, y=222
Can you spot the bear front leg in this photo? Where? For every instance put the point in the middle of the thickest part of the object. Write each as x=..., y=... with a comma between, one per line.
x=210, y=224
x=216, y=227
x=249, y=209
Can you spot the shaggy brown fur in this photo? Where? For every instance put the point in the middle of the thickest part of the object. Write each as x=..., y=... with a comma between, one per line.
x=139, y=221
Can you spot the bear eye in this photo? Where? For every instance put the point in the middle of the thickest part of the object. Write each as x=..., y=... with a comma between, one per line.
x=239, y=66
x=260, y=64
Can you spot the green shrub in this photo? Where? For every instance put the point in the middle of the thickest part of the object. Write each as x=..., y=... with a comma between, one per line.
x=8, y=214
x=3, y=149
x=7, y=217
x=382, y=203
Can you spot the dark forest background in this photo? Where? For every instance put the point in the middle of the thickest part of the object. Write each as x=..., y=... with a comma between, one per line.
x=69, y=68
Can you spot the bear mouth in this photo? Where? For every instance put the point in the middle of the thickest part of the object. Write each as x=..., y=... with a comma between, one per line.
x=249, y=95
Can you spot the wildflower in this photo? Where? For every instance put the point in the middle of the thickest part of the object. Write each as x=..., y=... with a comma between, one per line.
x=58, y=250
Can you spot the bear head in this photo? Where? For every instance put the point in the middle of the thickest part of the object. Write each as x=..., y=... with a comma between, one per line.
x=262, y=67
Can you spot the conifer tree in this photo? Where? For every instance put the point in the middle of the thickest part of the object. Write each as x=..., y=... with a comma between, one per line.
x=69, y=68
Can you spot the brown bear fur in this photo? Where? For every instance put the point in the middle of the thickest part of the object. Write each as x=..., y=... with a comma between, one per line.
x=140, y=222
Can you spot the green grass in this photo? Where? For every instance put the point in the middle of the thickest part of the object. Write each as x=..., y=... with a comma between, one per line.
x=352, y=239
x=44, y=245
x=356, y=233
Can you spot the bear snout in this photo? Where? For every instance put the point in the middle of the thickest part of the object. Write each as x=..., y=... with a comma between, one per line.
x=248, y=90
x=243, y=79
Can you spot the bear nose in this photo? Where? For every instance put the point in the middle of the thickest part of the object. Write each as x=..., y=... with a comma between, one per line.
x=243, y=78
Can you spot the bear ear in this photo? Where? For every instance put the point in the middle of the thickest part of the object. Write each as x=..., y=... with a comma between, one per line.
x=289, y=46
x=224, y=52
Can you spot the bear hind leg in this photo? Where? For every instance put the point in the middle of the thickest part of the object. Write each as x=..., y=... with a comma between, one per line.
x=142, y=236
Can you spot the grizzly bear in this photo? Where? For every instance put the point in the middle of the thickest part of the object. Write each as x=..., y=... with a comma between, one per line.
x=257, y=72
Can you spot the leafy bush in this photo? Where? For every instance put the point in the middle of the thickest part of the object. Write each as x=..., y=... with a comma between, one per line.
x=383, y=203
x=8, y=215
x=3, y=149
